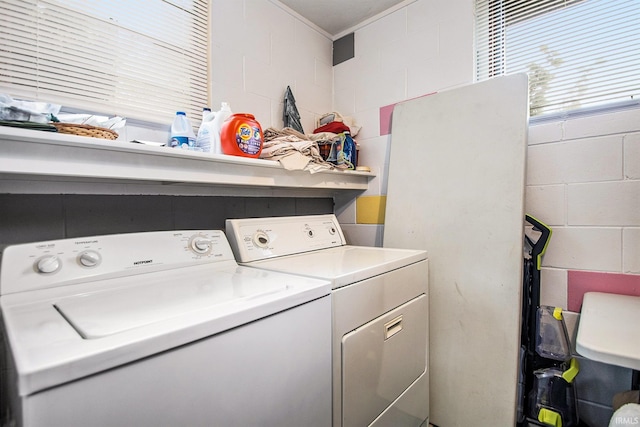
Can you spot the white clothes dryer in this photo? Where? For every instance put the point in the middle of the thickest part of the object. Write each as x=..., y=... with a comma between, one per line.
x=159, y=329
x=380, y=313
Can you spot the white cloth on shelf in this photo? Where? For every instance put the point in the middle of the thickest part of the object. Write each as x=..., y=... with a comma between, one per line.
x=294, y=150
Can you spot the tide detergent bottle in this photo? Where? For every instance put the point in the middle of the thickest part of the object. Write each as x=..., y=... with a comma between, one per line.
x=241, y=135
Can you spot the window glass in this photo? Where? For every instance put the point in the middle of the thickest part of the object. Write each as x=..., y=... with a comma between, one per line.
x=577, y=53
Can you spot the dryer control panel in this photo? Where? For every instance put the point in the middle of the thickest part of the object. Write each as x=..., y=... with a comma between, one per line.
x=254, y=239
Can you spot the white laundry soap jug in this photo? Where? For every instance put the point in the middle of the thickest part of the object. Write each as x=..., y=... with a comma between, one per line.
x=216, y=127
x=205, y=132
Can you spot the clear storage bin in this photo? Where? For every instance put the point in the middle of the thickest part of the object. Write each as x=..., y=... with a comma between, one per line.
x=552, y=339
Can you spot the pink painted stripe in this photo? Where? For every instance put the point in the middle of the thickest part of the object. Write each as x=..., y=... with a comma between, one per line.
x=385, y=119
x=386, y=113
x=580, y=282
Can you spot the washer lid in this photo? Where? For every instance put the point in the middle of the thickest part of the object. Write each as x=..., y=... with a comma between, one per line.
x=117, y=310
x=343, y=265
x=60, y=334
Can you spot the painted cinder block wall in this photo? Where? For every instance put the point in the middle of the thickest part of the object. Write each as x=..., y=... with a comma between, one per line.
x=424, y=47
x=260, y=48
x=583, y=173
x=588, y=192
x=583, y=180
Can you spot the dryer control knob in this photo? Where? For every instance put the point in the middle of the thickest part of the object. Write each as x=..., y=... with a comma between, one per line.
x=200, y=245
x=48, y=264
x=89, y=259
x=261, y=239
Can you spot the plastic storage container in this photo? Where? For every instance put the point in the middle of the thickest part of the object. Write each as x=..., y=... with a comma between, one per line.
x=182, y=135
x=553, y=400
x=241, y=135
x=552, y=339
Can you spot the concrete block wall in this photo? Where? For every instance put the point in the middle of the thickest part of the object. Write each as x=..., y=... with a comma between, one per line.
x=419, y=49
x=582, y=173
x=583, y=180
x=38, y=217
x=260, y=48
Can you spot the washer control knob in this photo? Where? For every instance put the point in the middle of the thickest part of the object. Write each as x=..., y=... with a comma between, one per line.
x=48, y=264
x=261, y=239
x=89, y=259
x=200, y=245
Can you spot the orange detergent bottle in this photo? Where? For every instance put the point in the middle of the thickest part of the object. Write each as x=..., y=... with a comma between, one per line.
x=241, y=135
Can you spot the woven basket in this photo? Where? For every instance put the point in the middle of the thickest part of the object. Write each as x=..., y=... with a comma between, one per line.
x=86, y=130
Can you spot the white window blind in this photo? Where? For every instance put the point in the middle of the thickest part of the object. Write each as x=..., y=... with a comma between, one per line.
x=143, y=59
x=577, y=53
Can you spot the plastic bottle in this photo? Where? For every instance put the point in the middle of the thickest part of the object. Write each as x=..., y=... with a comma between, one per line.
x=205, y=112
x=241, y=136
x=216, y=127
x=182, y=135
x=209, y=133
x=205, y=133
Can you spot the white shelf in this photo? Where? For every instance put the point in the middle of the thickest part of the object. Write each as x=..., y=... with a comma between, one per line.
x=36, y=162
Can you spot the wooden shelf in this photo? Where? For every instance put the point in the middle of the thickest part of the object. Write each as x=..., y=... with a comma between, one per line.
x=36, y=162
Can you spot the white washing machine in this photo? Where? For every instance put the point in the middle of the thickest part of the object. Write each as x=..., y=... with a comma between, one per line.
x=160, y=329
x=380, y=313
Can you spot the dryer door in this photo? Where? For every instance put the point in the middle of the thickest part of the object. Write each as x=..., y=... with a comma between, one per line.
x=381, y=359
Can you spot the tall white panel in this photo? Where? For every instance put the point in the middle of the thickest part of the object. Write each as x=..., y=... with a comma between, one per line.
x=456, y=189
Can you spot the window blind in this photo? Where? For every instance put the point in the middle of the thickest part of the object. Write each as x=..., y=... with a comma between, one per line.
x=143, y=59
x=577, y=53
